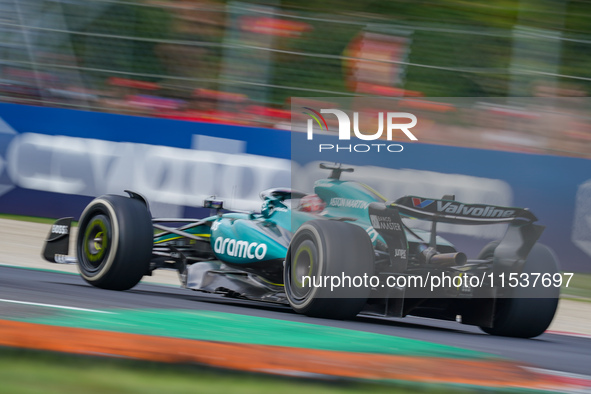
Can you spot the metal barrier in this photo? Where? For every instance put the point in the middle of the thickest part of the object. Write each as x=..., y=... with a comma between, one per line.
x=240, y=63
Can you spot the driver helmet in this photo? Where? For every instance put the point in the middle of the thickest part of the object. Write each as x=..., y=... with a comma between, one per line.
x=312, y=203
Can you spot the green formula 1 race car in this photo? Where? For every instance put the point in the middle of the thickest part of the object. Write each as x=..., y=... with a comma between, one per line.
x=342, y=251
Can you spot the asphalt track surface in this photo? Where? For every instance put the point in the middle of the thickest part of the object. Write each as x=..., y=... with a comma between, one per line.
x=564, y=353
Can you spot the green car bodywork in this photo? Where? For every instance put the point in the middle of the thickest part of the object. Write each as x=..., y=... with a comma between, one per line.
x=250, y=238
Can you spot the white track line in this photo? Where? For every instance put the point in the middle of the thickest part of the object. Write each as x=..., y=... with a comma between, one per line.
x=72, y=308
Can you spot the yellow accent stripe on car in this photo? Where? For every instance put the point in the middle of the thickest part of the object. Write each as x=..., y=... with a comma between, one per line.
x=271, y=283
x=173, y=238
x=371, y=189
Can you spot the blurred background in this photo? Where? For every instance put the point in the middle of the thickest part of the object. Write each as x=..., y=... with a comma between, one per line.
x=508, y=76
x=237, y=62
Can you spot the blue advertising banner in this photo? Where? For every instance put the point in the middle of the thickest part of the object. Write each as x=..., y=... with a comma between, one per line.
x=54, y=161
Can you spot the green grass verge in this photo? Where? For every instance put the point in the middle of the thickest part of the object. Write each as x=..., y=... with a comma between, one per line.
x=29, y=371
x=29, y=218
x=579, y=287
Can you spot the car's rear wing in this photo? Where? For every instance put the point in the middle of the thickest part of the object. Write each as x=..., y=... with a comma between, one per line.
x=521, y=235
x=451, y=211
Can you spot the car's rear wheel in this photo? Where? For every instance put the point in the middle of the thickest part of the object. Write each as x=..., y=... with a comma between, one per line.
x=528, y=311
x=328, y=249
x=114, y=244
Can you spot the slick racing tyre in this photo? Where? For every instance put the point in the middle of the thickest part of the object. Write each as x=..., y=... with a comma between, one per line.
x=529, y=310
x=114, y=244
x=324, y=249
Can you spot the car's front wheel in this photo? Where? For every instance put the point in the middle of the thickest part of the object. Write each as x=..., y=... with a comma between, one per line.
x=114, y=244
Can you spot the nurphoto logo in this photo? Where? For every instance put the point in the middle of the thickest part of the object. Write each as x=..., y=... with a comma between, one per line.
x=344, y=123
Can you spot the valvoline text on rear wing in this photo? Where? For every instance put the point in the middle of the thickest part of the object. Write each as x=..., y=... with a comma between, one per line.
x=450, y=211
